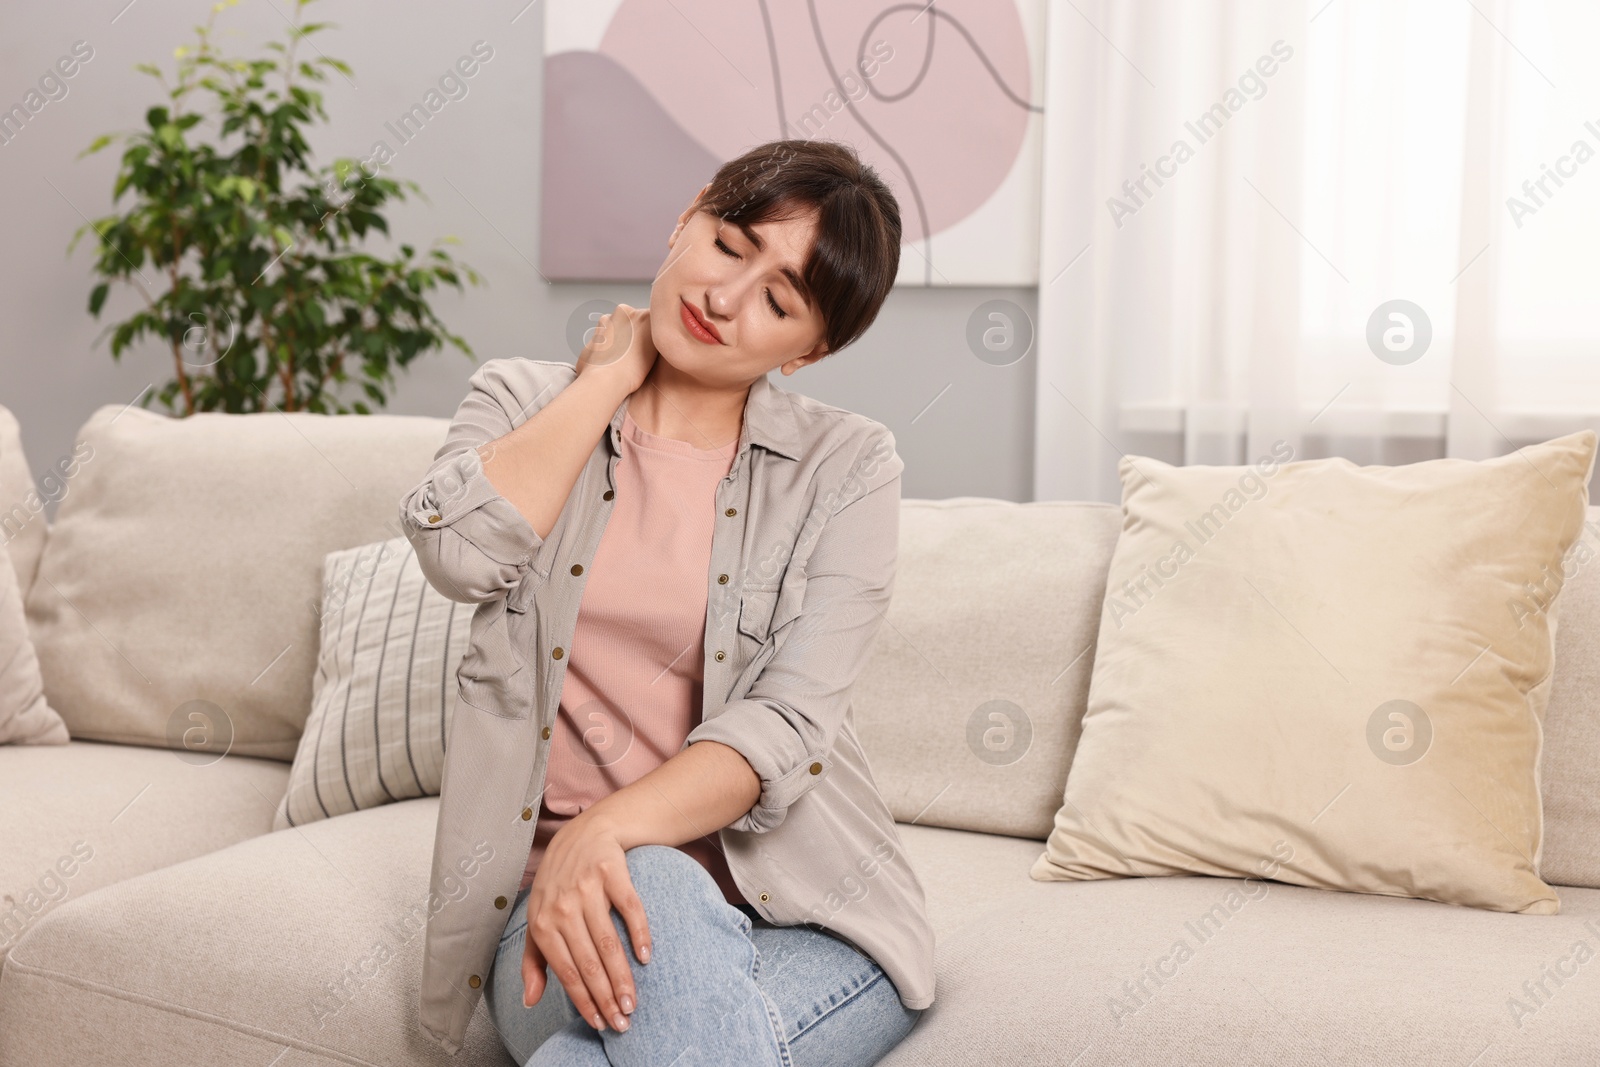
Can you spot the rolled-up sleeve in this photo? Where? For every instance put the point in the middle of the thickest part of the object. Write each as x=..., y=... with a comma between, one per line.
x=472, y=543
x=786, y=724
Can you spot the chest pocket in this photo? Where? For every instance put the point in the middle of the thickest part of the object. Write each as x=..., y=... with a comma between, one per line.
x=494, y=676
x=764, y=612
x=755, y=614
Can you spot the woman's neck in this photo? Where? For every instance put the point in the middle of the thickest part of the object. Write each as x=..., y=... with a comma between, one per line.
x=670, y=404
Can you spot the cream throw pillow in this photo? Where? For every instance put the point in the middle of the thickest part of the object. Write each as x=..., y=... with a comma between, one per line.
x=1329, y=675
x=26, y=718
x=22, y=522
x=385, y=686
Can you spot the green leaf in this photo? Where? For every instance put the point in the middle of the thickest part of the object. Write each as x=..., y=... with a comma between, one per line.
x=97, y=298
x=97, y=144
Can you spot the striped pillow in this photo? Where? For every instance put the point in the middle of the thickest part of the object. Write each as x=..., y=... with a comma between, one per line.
x=385, y=686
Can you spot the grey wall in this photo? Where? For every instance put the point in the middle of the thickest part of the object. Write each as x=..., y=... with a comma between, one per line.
x=963, y=427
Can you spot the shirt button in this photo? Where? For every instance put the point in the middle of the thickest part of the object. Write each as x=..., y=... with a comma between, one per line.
x=545, y=733
x=433, y=518
x=721, y=655
x=608, y=494
x=527, y=813
x=763, y=898
x=577, y=568
x=556, y=652
x=816, y=768
x=731, y=512
x=722, y=579
x=500, y=902
x=474, y=981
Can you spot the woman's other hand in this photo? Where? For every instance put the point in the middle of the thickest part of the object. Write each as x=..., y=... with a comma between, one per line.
x=621, y=346
x=582, y=875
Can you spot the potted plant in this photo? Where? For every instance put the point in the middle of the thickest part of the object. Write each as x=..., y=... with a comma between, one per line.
x=249, y=256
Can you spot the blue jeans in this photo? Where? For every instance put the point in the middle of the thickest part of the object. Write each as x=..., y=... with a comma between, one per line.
x=723, y=988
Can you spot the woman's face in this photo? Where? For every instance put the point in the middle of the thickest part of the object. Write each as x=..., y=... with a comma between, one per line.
x=744, y=289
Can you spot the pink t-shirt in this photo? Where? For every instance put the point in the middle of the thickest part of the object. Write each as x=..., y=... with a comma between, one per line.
x=634, y=674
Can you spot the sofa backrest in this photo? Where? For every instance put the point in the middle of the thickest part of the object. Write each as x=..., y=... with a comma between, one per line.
x=971, y=704
x=1569, y=779
x=178, y=599
x=185, y=566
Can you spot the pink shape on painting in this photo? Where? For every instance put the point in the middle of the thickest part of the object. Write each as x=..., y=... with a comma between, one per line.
x=944, y=146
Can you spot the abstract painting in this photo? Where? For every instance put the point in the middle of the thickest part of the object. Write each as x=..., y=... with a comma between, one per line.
x=644, y=99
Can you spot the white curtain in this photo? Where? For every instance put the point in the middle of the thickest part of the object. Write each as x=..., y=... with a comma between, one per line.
x=1235, y=192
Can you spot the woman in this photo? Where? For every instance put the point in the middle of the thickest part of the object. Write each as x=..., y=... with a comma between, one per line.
x=679, y=570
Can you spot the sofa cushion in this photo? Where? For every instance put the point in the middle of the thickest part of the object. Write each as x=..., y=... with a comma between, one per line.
x=22, y=521
x=1570, y=762
x=184, y=570
x=1219, y=972
x=970, y=705
x=962, y=870
x=310, y=939
x=84, y=815
x=305, y=943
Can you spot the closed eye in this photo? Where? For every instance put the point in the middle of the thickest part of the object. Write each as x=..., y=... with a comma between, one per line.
x=776, y=310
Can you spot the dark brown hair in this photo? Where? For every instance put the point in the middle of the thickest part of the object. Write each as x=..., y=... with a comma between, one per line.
x=856, y=254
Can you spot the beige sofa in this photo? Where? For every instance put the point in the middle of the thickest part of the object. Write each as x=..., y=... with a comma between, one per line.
x=149, y=915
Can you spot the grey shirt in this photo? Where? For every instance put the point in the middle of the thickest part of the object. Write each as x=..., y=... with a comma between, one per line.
x=801, y=572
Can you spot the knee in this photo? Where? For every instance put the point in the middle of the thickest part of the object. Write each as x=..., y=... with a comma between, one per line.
x=652, y=866
x=678, y=893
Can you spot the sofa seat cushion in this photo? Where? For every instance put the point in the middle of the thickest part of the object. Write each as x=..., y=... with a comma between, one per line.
x=1046, y=972
x=304, y=944
x=307, y=944
x=962, y=870
x=84, y=815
